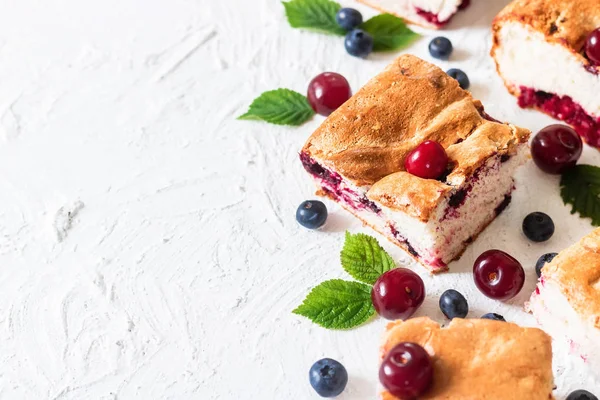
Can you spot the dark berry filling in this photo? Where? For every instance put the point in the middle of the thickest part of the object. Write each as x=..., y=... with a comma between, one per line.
x=430, y=17
x=404, y=241
x=502, y=206
x=564, y=109
x=458, y=198
x=332, y=186
x=437, y=263
x=434, y=18
x=411, y=249
x=315, y=169
x=488, y=116
x=370, y=205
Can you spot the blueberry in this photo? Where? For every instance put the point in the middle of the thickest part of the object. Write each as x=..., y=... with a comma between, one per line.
x=581, y=395
x=311, y=214
x=538, y=227
x=493, y=316
x=453, y=304
x=349, y=18
x=460, y=76
x=543, y=260
x=328, y=377
x=440, y=48
x=359, y=43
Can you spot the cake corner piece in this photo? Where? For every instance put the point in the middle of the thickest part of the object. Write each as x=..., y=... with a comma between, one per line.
x=357, y=155
x=566, y=302
x=536, y=44
x=478, y=358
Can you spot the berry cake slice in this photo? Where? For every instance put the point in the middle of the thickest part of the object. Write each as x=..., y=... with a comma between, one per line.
x=433, y=14
x=566, y=302
x=479, y=358
x=357, y=159
x=539, y=52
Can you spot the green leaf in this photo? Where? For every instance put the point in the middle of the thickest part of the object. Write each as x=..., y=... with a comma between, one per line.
x=580, y=187
x=314, y=14
x=364, y=259
x=338, y=304
x=389, y=32
x=281, y=107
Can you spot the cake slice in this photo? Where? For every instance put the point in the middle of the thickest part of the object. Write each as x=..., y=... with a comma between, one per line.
x=566, y=302
x=432, y=14
x=479, y=358
x=357, y=155
x=539, y=52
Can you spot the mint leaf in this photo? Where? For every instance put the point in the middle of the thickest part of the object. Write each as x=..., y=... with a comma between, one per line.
x=389, y=32
x=281, y=107
x=364, y=259
x=580, y=187
x=314, y=14
x=338, y=304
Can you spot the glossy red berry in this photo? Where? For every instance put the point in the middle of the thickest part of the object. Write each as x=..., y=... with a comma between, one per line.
x=398, y=293
x=592, y=46
x=406, y=371
x=498, y=275
x=556, y=148
x=429, y=160
x=328, y=91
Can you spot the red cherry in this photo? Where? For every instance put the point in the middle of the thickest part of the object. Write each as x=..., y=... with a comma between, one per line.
x=406, y=371
x=556, y=148
x=328, y=91
x=398, y=293
x=592, y=46
x=498, y=275
x=429, y=160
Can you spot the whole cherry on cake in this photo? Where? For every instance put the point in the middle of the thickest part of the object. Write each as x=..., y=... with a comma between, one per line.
x=592, y=46
x=398, y=293
x=556, y=148
x=429, y=160
x=498, y=275
x=328, y=91
x=406, y=371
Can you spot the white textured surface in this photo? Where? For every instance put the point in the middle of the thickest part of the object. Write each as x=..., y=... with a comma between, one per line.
x=177, y=278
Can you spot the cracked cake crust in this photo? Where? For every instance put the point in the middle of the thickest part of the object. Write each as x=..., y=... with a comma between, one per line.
x=477, y=358
x=367, y=139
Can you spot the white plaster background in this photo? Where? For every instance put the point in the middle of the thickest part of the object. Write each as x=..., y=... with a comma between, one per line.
x=148, y=246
